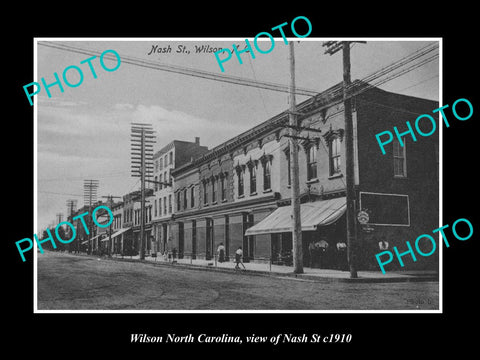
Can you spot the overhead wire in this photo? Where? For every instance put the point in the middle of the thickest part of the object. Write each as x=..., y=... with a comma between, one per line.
x=374, y=79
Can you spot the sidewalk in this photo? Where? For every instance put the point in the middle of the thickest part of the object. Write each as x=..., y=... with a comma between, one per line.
x=310, y=274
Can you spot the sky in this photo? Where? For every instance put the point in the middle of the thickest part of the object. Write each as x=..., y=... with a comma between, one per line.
x=84, y=132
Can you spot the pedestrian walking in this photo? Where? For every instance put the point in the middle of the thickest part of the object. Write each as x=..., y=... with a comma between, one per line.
x=238, y=258
x=221, y=253
x=342, y=263
x=322, y=247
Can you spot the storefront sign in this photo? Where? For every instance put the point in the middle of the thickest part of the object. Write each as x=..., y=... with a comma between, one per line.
x=363, y=217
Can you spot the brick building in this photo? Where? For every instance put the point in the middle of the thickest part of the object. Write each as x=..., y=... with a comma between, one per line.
x=238, y=193
x=171, y=156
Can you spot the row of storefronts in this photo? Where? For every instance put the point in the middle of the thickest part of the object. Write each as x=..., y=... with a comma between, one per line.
x=238, y=193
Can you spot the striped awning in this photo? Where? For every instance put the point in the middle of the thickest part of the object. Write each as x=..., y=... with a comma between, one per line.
x=313, y=214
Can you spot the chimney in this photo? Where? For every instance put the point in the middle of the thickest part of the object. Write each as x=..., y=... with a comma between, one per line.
x=197, y=140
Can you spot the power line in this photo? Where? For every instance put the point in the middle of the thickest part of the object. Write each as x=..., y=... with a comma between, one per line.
x=184, y=70
x=115, y=174
x=57, y=193
x=374, y=79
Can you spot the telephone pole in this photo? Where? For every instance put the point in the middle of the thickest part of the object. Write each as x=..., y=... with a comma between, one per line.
x=295, y=203
x=59, y=217
x=71, y=205
x=89, y=198
x=142, y=140
x=332, y=48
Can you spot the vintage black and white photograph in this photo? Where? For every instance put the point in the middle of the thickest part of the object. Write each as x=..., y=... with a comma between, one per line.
x=232, y=175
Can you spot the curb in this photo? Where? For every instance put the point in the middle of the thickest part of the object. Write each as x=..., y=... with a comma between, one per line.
x=306, y=277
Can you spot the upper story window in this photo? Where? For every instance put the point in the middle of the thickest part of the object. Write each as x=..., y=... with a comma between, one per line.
x=334, y=139
x=155, y=184
x=252, y=167
x=399, y=159
x=205, y=192
x=192, y=196
x=185, y=200
x=267, y=176
x=223, y=185
x=179, y=197
x=161, y=164
x=335, y=155
x=160, y=207
x=289, y=174
x=160, y=186
x=267, y=171
x=214, y=190
x=311, y=162
x=240, y=180
x=170, y=158
x=170, y=203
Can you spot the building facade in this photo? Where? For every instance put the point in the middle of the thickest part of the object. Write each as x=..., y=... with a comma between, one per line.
x=173, y=155
x=241, y=188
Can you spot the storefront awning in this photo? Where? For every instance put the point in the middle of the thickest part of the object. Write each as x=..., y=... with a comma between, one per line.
x=120, y=232
x=313, y=214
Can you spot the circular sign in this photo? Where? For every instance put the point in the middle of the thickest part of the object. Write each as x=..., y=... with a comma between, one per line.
x=363, y=217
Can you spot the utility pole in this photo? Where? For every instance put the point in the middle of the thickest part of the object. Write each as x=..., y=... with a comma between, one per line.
x=59, y=217
x=89, y=198
x=142, y=140
x=332, y=48
x=110, y=203
x=71, y=205
x=295, y=203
